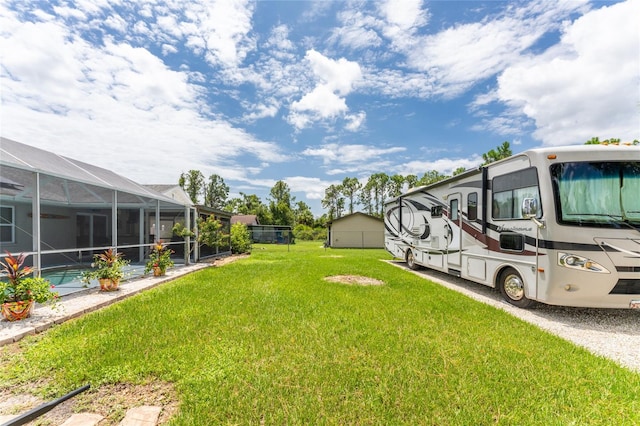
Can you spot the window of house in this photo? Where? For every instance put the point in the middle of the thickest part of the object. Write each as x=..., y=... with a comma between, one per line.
x=7, y=224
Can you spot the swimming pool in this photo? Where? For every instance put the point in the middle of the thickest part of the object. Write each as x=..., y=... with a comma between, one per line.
x=68, y=279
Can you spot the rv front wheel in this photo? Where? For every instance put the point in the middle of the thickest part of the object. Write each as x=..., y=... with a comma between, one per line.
x=411, y=261
x=511, y=287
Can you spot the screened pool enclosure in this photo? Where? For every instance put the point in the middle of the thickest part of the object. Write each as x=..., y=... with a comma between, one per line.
x=61, y=211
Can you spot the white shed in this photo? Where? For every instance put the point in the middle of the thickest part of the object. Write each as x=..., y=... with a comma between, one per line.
x=356, y=230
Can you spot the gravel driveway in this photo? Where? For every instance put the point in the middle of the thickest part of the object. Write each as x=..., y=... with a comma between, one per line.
x=612, y=333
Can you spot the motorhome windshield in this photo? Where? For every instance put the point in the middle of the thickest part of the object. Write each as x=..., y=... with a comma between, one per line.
x=597, y=193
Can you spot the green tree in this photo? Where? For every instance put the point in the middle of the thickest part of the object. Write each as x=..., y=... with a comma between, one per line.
x=365, y=200
x=396, y=182
x=430, y=177
x=331, y=200
x=280, y=204
x=349, y=188
x=320, y=234
x=193, y=184
x=593, y=141
x=250, y=204
x=321, y=222
x=216, y=192
x=303, y=232
x=233, y=205
x=459, y=170
x=502, y=151
x=340, y=207
x=613, y=141
x=377, y=186
x=240, y=238
x=281, y=193
x=209, y=231
x=303, y=214
x=412, y=180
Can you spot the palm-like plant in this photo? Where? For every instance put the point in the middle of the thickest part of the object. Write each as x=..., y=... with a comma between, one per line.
x=19, y=286
x=108, y=265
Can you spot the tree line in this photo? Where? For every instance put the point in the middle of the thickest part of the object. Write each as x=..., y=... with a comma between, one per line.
x=281, y=208
x=345, y=197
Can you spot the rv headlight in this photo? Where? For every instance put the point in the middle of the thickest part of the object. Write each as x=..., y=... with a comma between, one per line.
x=574, y=261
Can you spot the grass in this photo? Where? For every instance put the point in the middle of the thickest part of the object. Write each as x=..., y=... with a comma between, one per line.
x=267, y=340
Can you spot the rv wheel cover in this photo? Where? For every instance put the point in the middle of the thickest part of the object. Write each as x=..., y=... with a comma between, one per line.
x=514, y=287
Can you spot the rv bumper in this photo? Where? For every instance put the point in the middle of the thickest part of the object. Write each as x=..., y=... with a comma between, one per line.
x=634, y=304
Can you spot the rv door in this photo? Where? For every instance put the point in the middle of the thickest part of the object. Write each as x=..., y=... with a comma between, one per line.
x=453, y=232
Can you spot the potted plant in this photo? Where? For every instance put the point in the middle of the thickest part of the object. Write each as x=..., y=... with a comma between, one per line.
x=108, y=270
x=20, y=291
x=159, y=259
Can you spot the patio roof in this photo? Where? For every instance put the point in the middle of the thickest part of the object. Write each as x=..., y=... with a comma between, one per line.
x=65, y=180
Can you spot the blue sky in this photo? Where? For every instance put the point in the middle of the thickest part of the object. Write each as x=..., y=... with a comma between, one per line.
x=311, y=92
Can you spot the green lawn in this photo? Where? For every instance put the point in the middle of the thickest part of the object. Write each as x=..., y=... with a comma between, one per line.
x=266, y=339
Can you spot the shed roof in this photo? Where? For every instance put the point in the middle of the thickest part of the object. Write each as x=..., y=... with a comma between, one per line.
x=352, y=215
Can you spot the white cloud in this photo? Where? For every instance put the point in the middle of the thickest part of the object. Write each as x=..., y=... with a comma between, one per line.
x=279, y=39
x=322, y=102
x=356, y=30
x=115, y=106
x=447, y=63
x=355, y=121
x=338, y=75
x=402, y=19
x=582, y=87
x=326, y=100
x=397, y=83
x=313, y=188
x=115, y=22
x=335, y=154
x=224, y=26
x=262, y=111
x=461, y=55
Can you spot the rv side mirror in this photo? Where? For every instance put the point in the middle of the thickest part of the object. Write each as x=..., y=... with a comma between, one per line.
x=529, y=208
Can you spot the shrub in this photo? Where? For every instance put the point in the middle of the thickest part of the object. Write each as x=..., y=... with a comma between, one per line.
x=320, y=234
x=240, y=238
x=306, y=233
x=303, y=232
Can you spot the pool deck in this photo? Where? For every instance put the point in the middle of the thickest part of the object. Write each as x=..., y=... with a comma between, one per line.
x=79, y=303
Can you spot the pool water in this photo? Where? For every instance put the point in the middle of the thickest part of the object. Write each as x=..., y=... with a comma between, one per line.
x=68, y=279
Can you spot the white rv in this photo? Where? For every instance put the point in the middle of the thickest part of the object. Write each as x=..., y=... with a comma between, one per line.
x=555, y=225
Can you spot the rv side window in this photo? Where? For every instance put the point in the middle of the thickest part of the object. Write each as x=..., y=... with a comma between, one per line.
x=436, y=211
x=453, y=210
x=510, y=190
x=472, y=206
x=512, y=242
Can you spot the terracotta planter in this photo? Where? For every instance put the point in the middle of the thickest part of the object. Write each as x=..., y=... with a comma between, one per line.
x=108, y=284
x=158, y=271
x=16, y=311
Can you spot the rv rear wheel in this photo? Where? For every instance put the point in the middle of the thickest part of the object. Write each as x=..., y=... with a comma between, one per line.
x=511, y=287
x=411, y=261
